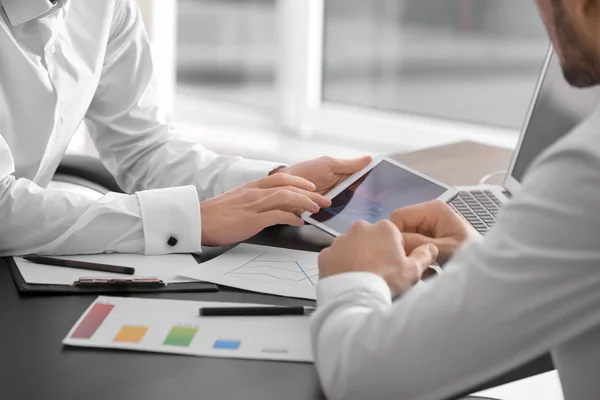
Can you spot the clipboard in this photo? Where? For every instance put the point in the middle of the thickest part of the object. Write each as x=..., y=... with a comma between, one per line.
x=39, y=289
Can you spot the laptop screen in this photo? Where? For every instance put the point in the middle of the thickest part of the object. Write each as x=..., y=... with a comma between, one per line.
x=559, y=108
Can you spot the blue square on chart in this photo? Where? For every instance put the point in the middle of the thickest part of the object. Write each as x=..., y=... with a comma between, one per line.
x=227, y=344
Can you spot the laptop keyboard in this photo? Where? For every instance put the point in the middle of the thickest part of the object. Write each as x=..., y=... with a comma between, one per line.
x=480, y=208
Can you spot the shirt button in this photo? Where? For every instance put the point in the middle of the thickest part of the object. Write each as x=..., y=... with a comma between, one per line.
x=60, y=14
x=52, y=49
x=172, y=241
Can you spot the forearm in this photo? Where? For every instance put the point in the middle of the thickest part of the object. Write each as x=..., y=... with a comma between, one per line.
x=451, y=334
x=135, y=141
x=41, y=221
x=158, y=159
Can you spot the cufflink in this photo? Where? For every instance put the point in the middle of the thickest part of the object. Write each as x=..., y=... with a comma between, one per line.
x=172, y=241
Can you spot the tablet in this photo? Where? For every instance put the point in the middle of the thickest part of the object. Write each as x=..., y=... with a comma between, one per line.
x=373, y=193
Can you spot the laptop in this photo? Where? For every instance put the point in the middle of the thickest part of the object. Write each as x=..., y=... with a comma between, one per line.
x=556, y=108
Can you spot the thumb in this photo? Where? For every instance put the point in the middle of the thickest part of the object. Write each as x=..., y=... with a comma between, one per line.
x=415, y=240
x=423, y=256
x=350, y=166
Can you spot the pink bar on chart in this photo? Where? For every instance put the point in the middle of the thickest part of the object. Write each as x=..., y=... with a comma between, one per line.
x=92, y=321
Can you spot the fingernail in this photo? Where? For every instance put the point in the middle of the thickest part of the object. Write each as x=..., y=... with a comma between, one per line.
x=315, y=208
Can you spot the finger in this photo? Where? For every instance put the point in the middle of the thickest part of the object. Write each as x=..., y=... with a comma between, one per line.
x=349, y=166
x=420, y=218
x=278, y=217
x=358, y=227
x=423, y=256
x=414, y=240
x=286, y=200
x=280, y=180
x=322, y=201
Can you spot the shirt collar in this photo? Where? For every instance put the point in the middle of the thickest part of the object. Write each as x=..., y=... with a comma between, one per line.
x=21, y=11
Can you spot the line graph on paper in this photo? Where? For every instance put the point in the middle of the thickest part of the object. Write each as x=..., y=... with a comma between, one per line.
x=265, y=267
x=283, y=272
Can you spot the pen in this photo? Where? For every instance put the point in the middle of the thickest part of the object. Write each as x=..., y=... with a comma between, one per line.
x=117, y=269
x=142, y=282
x=254, y=311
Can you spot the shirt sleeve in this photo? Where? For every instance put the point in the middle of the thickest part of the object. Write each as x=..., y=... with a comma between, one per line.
x=529, y=287
x=42, y=221
x=135, y=141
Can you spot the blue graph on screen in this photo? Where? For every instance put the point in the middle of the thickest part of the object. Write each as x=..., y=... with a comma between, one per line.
x=292, y=271
x=368, y=213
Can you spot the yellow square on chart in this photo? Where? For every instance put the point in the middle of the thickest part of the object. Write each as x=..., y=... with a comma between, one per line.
x=131, y=334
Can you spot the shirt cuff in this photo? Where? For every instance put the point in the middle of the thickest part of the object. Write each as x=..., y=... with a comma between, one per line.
x=333, y=287
x=171, y=220
x=245, y=171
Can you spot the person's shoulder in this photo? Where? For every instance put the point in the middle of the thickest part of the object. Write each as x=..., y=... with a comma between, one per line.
x=578, y=147
x=93, y=13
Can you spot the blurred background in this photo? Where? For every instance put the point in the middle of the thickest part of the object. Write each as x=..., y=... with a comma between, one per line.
x=233, y=71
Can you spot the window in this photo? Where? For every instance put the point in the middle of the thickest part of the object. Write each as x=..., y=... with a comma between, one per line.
x=227, y=50
x=414, y=72
x=467, y=60
x=407, y=73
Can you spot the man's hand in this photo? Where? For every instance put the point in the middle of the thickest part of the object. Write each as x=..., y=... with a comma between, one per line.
x=378, y=249
x=434, y=223
x=326, y=172
x=246, y=210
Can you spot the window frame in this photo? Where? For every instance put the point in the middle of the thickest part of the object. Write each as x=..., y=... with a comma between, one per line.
x=160, y=20
x=303, y=109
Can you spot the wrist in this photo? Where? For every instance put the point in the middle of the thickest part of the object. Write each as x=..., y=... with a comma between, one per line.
x=206, y=236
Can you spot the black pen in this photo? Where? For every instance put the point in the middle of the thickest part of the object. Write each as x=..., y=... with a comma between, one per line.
x=59, y=262
x=254, y=311
x=142, y=282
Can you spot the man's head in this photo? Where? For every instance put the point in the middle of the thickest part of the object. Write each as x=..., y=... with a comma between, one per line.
x=574, y=27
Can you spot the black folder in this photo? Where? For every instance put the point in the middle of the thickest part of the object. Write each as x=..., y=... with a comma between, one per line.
x=37, y=289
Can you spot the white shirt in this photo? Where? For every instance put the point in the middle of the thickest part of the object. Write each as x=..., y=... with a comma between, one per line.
x=531, y=286
x=86, y=64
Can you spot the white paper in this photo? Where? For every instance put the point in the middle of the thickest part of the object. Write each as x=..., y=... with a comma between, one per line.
x=154, y=321
x=545, y=386
x=282, y=272
x=164, y=267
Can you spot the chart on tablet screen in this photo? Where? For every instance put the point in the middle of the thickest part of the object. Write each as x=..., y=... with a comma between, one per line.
x=283, y=272
x=370, y=214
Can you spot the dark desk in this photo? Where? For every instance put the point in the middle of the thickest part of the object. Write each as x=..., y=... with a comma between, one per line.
x=35, y=365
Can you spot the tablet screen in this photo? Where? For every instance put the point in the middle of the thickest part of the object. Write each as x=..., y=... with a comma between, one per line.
x=376, y=195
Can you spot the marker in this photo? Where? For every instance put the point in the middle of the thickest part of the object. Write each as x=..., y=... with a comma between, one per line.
x=254, y=311
x=59, y=262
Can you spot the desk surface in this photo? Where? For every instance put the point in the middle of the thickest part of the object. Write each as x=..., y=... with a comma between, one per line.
x=459, y=164
x=35, y=365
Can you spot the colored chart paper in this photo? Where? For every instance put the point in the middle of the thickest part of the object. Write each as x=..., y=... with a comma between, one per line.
x=173, y=326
